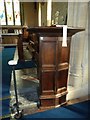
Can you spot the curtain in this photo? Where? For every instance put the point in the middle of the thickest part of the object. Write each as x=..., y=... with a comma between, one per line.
x=78, y=69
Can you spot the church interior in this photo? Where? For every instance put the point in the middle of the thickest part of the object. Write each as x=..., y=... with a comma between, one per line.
x=44, y=59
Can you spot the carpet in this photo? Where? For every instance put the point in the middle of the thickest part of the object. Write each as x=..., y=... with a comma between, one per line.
x=78, y=110
x=6, y=55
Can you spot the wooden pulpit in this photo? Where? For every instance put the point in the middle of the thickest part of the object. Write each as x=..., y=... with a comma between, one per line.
x=53, y=63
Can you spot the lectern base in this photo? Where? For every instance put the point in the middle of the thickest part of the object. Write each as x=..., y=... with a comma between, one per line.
x=53, y=101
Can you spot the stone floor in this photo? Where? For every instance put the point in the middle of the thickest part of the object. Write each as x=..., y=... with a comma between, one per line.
x=27, y=88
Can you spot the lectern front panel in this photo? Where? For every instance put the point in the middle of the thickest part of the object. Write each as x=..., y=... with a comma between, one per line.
x=53, y=64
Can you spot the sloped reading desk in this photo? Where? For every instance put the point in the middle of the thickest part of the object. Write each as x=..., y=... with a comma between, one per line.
x=53, y=64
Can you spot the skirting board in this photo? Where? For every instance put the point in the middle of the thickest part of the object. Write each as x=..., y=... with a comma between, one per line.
x=75, y=92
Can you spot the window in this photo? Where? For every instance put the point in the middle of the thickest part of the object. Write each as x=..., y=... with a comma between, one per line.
x=10, y=12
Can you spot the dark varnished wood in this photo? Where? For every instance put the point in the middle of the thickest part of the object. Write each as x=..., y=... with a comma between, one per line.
x=20, y=47
x=53, y=31
x=53, y=63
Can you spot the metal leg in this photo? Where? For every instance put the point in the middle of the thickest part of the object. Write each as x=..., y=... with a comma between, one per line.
x=15, y=87
x=18, y=113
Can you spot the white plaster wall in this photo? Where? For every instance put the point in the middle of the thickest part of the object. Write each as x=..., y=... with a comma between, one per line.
x=78, y=70
x=89, y=46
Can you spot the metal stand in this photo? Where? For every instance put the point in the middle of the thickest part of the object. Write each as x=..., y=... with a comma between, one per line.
x=18, y=113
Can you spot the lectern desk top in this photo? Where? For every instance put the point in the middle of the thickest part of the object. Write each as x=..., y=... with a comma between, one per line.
x=70, y=30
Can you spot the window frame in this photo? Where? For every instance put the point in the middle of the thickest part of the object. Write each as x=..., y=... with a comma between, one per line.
x=13, y=14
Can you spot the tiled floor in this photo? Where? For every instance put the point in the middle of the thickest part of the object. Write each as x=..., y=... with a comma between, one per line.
x=28, y=90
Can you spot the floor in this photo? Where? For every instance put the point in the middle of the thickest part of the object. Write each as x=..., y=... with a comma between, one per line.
x=27, y=87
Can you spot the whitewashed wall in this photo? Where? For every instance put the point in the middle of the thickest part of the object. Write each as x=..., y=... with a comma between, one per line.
x=88, y=46
x=78, y=70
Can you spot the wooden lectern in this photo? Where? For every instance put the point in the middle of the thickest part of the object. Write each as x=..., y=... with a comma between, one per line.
x=53, y=64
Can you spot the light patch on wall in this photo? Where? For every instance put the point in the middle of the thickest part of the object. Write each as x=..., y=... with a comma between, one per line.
x=49, y=12
x=64, y=43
